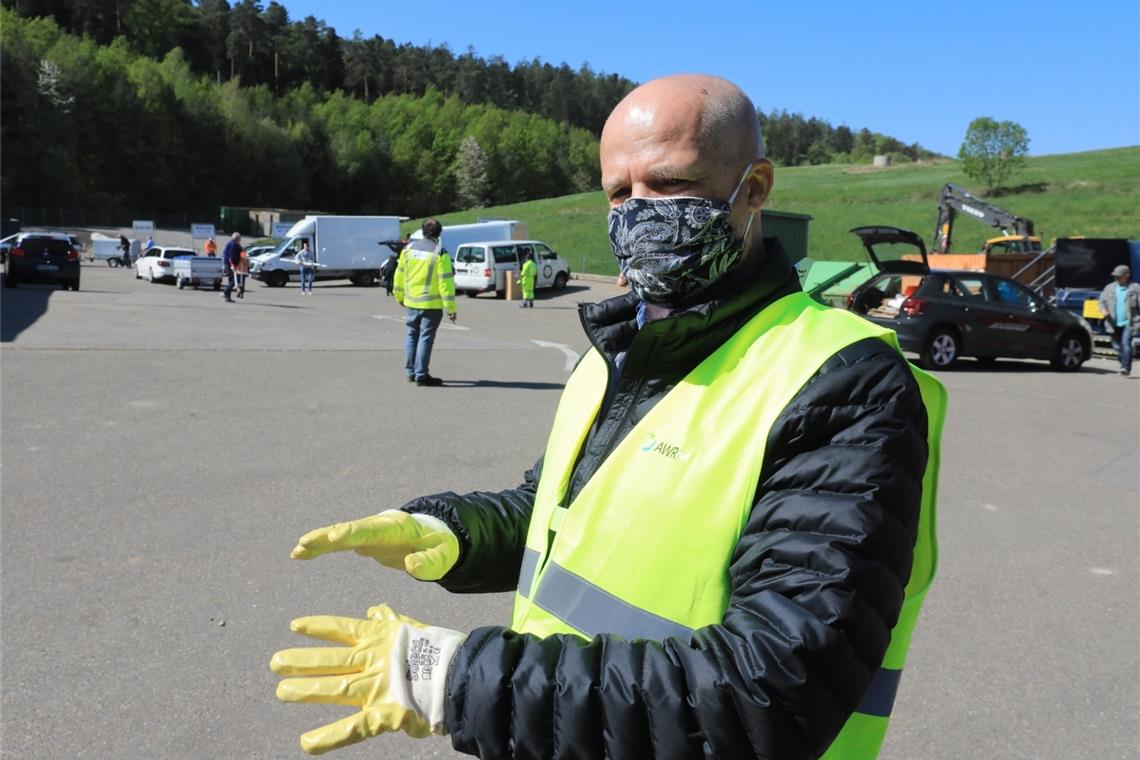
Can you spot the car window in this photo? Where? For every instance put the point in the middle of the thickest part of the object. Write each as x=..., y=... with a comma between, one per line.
x=972, y=287
x=35, y=246
x=471, y=254
x=938, y=286
x=505, y=254
x=1010, y=292
x=524, y=250
x=543, y=252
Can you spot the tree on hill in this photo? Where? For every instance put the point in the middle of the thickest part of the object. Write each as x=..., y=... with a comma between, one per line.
x=993, y=150
x=471, y=180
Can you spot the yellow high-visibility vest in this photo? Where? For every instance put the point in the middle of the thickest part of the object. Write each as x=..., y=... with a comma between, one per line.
x=424, y=278
x=644, y=549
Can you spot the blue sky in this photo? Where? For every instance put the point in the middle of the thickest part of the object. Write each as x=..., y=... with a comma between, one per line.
x=1068, y=72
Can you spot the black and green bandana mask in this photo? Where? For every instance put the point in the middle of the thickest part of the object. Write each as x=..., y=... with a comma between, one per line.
x=672, y=247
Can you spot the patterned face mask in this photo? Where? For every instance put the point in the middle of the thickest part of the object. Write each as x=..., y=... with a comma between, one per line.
x=671, y=247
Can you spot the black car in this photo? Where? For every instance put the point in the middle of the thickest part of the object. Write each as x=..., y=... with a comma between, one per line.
x=42, y=257
x=942, y=315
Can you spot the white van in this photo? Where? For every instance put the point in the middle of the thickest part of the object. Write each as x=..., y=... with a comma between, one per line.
x=483, y=267
x=455, y=235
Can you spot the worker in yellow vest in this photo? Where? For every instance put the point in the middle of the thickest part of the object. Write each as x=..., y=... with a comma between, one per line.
x=424, y=284
x=724, y=548
x=528, y=273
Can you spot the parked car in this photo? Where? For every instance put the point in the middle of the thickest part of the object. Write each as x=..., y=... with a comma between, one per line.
x=6, y=245
x=257, y=250
x=942, y=315
x=483, y=267
x=42, y=257
x=157, y=262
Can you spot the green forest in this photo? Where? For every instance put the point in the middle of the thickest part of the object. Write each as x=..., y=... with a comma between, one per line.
x=172, y=106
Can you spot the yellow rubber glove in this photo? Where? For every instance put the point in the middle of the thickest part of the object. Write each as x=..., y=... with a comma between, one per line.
x=391, y=667
x=421, y=545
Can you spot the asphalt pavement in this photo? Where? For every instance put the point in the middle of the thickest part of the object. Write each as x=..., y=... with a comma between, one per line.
x=163, y=450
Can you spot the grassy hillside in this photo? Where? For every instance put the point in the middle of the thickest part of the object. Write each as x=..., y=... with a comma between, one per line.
x=1096, y=194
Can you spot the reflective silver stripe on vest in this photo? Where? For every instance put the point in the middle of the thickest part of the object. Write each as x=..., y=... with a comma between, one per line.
x=447, y=276
x=420, y=299
x=880, y=696
x=526, y=570
x=592, y=610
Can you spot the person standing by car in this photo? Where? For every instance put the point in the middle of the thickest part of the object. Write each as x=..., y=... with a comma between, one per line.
x=231, y=255
x=241, y=272
x=527, y=276
x=424, y=286
x=1120, y=301
x=308, y=268
x=210, y=248
x=125, y=247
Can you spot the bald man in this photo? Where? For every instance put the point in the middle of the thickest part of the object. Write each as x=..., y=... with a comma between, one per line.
x=712, y=555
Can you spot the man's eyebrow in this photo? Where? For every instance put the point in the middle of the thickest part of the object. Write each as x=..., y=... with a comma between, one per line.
x=671, y=173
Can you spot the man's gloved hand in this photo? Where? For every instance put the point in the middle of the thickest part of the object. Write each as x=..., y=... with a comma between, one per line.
x=420, y=544
x=393, y=668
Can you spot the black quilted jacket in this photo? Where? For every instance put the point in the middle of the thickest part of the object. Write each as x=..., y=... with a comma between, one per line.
x=817, y=576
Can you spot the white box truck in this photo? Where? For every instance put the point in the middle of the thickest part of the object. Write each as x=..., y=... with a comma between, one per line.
x=455, y=235
x=346, y=247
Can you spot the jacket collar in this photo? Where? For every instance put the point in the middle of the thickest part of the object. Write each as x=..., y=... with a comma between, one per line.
x=694, y=331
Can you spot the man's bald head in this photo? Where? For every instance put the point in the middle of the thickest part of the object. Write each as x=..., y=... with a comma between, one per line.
x=713, y=112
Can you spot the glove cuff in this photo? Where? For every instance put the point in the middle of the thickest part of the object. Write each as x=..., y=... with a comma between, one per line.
x=428, y=652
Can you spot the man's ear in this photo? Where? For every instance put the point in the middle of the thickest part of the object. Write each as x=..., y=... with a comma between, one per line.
x=760, y=181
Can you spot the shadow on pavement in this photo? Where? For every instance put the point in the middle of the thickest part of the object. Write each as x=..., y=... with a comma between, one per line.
x=1012, y=366
x=526, y=386
x=21, y=307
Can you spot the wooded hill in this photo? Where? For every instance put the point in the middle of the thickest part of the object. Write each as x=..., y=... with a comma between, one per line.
x=171, y=106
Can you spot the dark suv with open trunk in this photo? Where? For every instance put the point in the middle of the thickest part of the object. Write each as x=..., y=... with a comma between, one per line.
x=944, y=314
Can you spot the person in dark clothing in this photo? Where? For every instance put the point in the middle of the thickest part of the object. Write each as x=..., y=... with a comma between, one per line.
x=388, y=271
x=125, y=247
x=818, y=493
x=231, y=260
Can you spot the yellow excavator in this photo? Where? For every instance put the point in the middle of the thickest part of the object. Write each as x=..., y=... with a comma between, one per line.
x=1017, y=232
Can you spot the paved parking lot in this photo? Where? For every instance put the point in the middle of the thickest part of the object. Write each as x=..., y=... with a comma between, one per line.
x=162, y=451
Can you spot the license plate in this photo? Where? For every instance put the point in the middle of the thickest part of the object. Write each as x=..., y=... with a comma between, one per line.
x=47, y=267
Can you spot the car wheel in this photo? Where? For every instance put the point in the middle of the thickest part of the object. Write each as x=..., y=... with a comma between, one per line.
x=941, y=349
x=364, y=280
x=218, y=285
x=1070, y=354
x=560, y=280
x=276, y=279
x=471, y=293
x=110, y=263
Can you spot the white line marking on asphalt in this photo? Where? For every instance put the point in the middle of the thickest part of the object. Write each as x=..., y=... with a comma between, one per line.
x=989, y=507
x=1101, y=571
x=442, y=325
x=572, y=356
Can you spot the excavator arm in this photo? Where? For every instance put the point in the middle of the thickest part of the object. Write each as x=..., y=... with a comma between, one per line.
x=955, y=200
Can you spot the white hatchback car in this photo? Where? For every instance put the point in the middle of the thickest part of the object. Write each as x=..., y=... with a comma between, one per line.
x=483, y=267
x=157, y=263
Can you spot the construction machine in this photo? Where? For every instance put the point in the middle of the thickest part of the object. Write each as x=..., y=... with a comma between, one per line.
x=1017, y=231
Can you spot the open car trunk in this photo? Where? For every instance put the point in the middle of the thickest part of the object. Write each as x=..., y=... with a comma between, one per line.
x=900, y=256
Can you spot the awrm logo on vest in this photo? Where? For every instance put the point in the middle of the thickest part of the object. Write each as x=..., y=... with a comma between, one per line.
x=652, y=446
